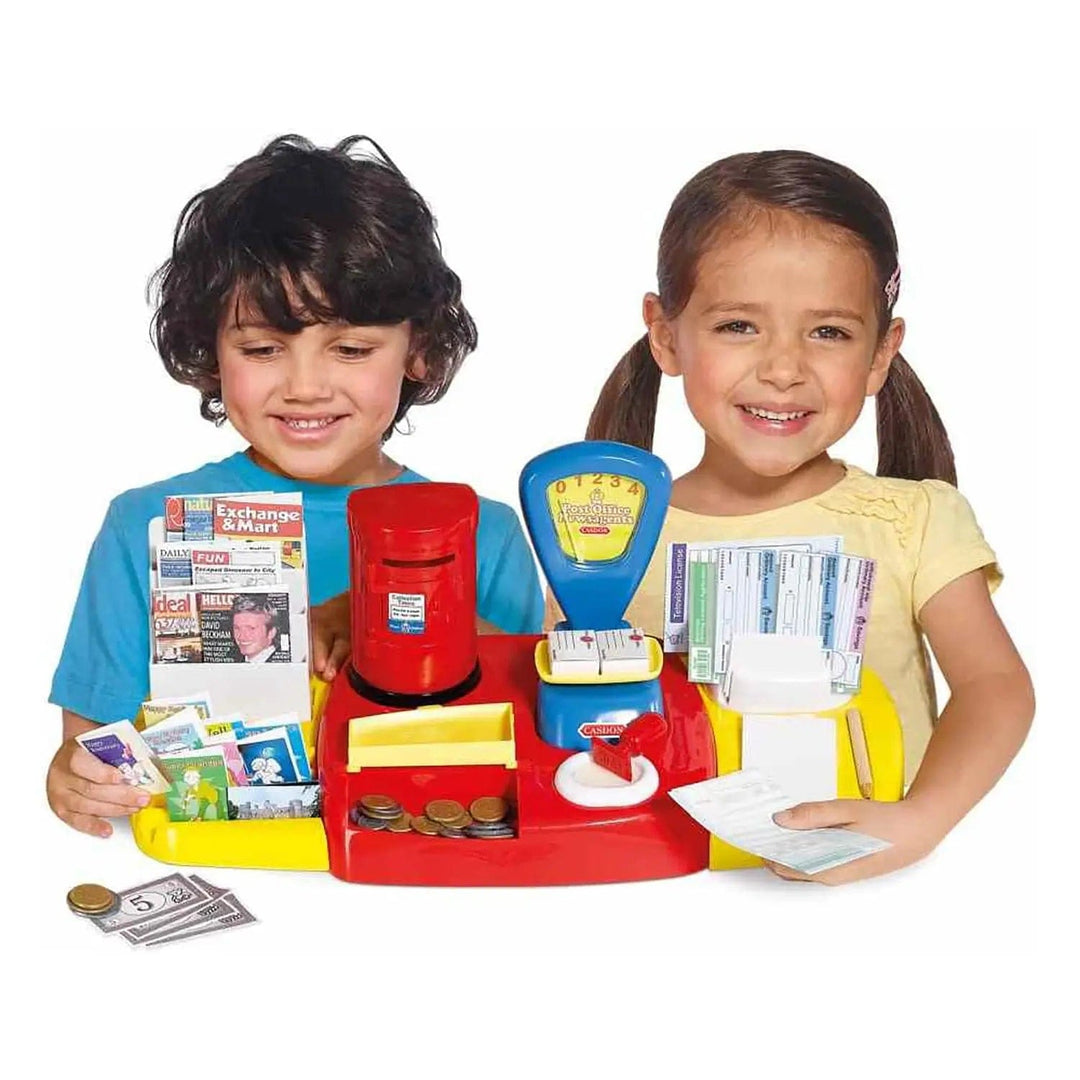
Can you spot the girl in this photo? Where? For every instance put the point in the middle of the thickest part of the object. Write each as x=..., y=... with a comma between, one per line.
x=778, y=276
x=308, y=302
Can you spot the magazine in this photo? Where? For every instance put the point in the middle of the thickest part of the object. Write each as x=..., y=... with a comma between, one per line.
x=268, y=757
x=198, y=782
x=189, y=517
x=249, y=626
x=154, y=710
x=175, y=630
x=179, y=732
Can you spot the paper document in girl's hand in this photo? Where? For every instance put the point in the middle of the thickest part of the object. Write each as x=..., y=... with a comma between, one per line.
x=739, y=808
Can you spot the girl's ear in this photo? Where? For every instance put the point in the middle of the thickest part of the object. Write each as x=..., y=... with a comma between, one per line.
x=661, y=337
x=884, y=355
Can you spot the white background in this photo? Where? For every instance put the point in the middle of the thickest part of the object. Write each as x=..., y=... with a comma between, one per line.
x=549, y=144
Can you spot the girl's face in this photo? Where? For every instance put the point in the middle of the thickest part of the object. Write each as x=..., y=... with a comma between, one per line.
x=778, y=345
x=314, y=404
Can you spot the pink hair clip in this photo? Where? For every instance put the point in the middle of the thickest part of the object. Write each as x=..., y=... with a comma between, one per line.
x=892, y=286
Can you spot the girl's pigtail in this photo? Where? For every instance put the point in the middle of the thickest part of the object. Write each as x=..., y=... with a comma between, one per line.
x=625, y=411
x=912, y=441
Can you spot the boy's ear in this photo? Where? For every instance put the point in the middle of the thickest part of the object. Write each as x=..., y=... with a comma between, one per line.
x=661, y=337
x=416, y=369
x=884, y=355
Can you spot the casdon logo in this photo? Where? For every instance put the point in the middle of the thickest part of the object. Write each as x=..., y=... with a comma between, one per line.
x=600, y=731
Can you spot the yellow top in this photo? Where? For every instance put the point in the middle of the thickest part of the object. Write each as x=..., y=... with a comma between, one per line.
x=923, y=535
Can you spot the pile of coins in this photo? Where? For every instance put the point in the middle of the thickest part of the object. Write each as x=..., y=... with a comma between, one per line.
x=93, y=901
x=487, y=818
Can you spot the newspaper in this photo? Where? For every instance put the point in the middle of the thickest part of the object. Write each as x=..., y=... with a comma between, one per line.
x=277, y=517
x=223, y=564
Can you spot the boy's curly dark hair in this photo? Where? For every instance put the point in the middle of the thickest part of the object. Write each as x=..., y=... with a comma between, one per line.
x=346, y=233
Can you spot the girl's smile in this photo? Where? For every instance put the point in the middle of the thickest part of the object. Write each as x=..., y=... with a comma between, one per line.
x=775, y=419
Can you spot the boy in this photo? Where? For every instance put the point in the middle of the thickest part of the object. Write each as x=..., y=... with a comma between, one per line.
x=307, y=299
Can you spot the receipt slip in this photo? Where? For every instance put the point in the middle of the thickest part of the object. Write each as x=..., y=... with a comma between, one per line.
x=677, y=571
x=573, y=652
x=739, y=809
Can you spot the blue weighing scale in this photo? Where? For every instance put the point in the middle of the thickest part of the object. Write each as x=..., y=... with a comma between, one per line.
x=594, y=511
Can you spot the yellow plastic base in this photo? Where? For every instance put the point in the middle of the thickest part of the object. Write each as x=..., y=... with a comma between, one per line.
x=884, y=742
x=286, y=844
x=293, y=844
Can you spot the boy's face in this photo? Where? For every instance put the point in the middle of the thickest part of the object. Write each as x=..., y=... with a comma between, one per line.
x=314, y=404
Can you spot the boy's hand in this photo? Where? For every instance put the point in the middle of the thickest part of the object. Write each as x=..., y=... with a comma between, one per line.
x=330, y=636
x=912, y=834
x=84, y=791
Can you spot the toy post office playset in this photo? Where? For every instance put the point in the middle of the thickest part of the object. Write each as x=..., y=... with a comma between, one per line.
x=575, y=737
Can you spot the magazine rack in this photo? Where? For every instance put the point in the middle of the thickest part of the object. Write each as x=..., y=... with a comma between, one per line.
x=256, y=690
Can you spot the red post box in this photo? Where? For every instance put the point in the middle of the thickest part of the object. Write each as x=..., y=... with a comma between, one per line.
x=413, y=592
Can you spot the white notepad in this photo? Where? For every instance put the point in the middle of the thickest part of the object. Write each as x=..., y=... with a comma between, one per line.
x=797, y=750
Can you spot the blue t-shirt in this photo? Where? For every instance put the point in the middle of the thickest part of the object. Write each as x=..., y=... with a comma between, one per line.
x=103, y=671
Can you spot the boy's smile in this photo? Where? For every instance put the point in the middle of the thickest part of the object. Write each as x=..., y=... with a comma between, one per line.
x=314, y=404
x=306, y=430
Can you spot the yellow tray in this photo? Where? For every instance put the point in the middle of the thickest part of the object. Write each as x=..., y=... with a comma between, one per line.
x=884, y=743
x=434, y=735
x=290, y=844
x=656, y=664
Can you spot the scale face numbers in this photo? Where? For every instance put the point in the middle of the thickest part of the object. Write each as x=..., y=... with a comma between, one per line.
x=595, y=514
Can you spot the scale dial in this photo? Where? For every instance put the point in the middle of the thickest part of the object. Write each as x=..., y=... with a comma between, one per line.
x=594, y=511
x=595, y=514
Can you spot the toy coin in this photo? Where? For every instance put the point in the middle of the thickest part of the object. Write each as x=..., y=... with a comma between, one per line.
x=487, y=827
x=400, y=823
x=378, y=805
x=489, y=808
x=489, y=834
x=93, y=901
x=444, y=810
x=375, y=824
x=424, y=825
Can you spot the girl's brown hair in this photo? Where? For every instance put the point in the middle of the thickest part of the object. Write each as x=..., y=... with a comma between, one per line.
x=912, y=441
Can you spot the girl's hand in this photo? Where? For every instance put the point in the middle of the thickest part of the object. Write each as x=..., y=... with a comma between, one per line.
x=912, y=834
x=331, y=636
x=83, y=791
